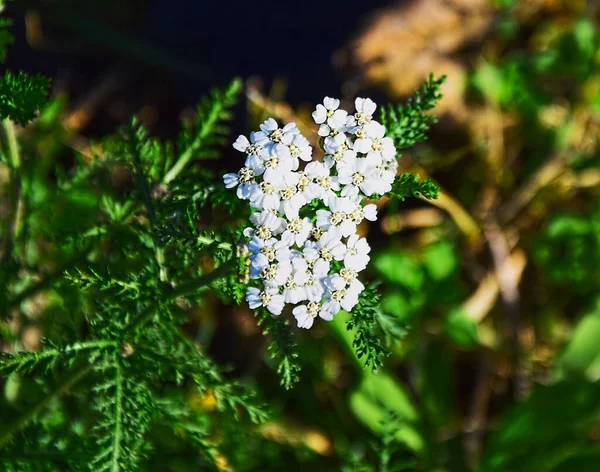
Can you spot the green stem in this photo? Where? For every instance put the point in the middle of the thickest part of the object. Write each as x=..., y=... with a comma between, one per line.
x=142, y=182
x=188, y=153
x=16, y=218
x=77, y=347
x=13, y=147
x=118, y=414
x=75, y=376
x=184, y=289
x=204, y=280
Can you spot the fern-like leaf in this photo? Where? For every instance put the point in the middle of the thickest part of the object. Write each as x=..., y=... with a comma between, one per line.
x=207, y=130
x=282, y=348
x=407, y=124
x=22, y=96
x=125, y=406
x=365, y=320
x=409, y=185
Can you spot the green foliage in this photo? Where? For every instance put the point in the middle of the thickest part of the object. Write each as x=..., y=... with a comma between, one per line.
x=384, y=454
x=6, y=38
x=568, y=250
x=407, y=124
x=22, y=96
x=376, y=397
x=364, y=319
x=144, y=366
x=536, y=436
x=127, y=339
x=282, y=348
x=408, y=185
x=125, y=409
x=581, y=356
x=201, y=137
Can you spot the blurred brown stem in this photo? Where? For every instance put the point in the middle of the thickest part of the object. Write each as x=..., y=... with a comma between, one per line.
x=509, y=294
x=481, y=302
x=461, y=217
x=548, y=172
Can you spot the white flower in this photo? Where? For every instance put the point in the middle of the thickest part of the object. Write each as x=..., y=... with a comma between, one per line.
x=268, y=298
x=298, y=147
x=334, y=137
x=289, y=255
x=339, y=155
x=293, y=291
x=365, y=107
x=387, y=148
x=251, y=148
x=362, y=175
x=338, y=220
x=323, y=185
x=359, y=213
x=313, y=286
x=267, y=225
x=340, y=296
x=265, y=252
x=277, y=164
x=244, y=178
x=326, y=111
x=264, y=196
x=387, y=173
x=270, y=132
x=371, y=141
x=275, y=274
x=320, y=253
x=306, y=314
x=297, y=232
x=291, y=199
x=357, y=253
x=368, y=140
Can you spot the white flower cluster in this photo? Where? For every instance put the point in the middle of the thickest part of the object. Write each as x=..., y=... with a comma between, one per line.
x=304, y=247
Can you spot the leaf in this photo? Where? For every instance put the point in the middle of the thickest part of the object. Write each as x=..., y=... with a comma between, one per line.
x=399, y=268
x=409, y=185
x=377, y=396
x=490, y=82
x=435, y=374
x=461, y=330
x=364, y=321
x=582, y=461
x=580, y=355
x=407, y=124
x=540, y=433
x=440, y=260
x=21, y=96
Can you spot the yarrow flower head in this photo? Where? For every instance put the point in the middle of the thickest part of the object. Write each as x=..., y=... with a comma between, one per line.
x=303, y=242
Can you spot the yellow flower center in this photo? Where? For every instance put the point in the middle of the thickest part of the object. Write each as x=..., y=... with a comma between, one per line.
x=313, y=309
x=325, y=254
x=337, y=217
x=357, y=178
x=338, y=295
x=265, y=298
x=245, y=175
x=263, y=232
x=276, y=135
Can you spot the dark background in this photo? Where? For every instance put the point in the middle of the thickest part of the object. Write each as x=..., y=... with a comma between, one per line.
x=169, y=53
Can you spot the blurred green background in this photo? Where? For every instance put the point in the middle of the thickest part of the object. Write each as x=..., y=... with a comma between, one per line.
x=496, y=282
